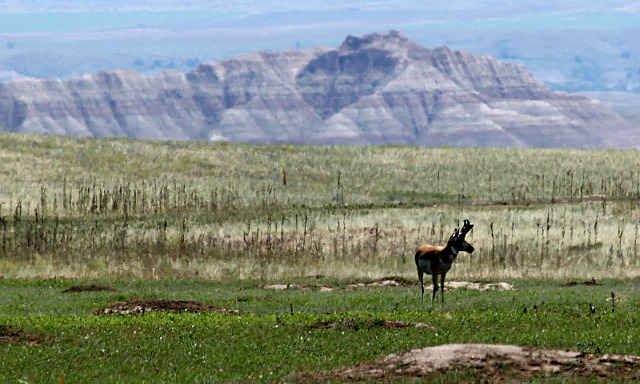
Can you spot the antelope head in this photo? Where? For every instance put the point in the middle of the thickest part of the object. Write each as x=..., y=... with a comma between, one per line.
x=458, y=237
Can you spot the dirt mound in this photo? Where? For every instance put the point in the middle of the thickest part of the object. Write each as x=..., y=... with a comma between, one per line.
x=592, y=282
x=140, y=306
x=11, y=335
x=493, y=362
x=88, y=288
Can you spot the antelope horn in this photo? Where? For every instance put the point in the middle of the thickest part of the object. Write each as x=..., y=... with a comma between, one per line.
x=466, y=227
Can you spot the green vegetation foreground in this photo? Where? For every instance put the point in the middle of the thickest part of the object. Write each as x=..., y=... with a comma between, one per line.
x=293, y=334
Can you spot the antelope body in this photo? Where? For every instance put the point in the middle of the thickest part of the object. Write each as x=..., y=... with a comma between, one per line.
x=437, y=260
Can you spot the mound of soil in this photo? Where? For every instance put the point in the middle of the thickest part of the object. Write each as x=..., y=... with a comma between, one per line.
x=88, y=288
x=140, y=306
x=11, y=335
x=497, y=362
x=592, y=282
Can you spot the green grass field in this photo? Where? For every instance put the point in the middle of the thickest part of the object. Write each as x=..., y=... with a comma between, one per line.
x=266, y=342
x=216, y=222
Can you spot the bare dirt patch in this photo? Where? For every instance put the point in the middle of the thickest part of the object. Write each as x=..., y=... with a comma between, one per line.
x=88, y=288
x=493, y=362
x=354, y=324
x=383, y=283
x=479, y=286
x=141, y=306
x=12, y=335
x=397, y=282
x=390, y=282
x=282, y=287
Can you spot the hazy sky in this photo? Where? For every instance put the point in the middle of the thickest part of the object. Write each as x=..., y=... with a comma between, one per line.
x=257, y=6
x=67, y=38
x=41, y=16
x=301, y=23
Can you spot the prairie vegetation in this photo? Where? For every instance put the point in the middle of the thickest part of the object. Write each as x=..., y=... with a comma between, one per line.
x=95, y=208
x=94, y=230
x=304, y=333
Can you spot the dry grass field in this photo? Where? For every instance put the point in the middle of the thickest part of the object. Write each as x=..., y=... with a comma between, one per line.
x=89, y=208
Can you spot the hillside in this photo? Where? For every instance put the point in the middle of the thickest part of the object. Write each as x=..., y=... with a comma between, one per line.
x=380, y=88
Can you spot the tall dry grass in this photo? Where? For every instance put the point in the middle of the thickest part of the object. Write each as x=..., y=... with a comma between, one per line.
x=83, y=207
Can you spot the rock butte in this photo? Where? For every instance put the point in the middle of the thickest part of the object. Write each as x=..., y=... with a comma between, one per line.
x=375, y=89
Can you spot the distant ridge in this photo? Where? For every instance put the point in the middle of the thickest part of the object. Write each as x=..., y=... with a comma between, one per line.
x=374, y=89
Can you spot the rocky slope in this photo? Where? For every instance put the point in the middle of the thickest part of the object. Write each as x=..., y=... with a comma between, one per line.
x=380, y=88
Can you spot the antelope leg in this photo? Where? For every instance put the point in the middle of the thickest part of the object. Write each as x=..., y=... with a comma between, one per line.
x=420, y=274
x=442, y=286
x=435, y=286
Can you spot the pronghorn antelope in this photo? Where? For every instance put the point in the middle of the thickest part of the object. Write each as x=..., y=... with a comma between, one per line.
x=437, y=260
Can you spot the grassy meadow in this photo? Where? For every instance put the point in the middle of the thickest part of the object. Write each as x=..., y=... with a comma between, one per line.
x=94, y=208
x=217, y=223
x=267, y=342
